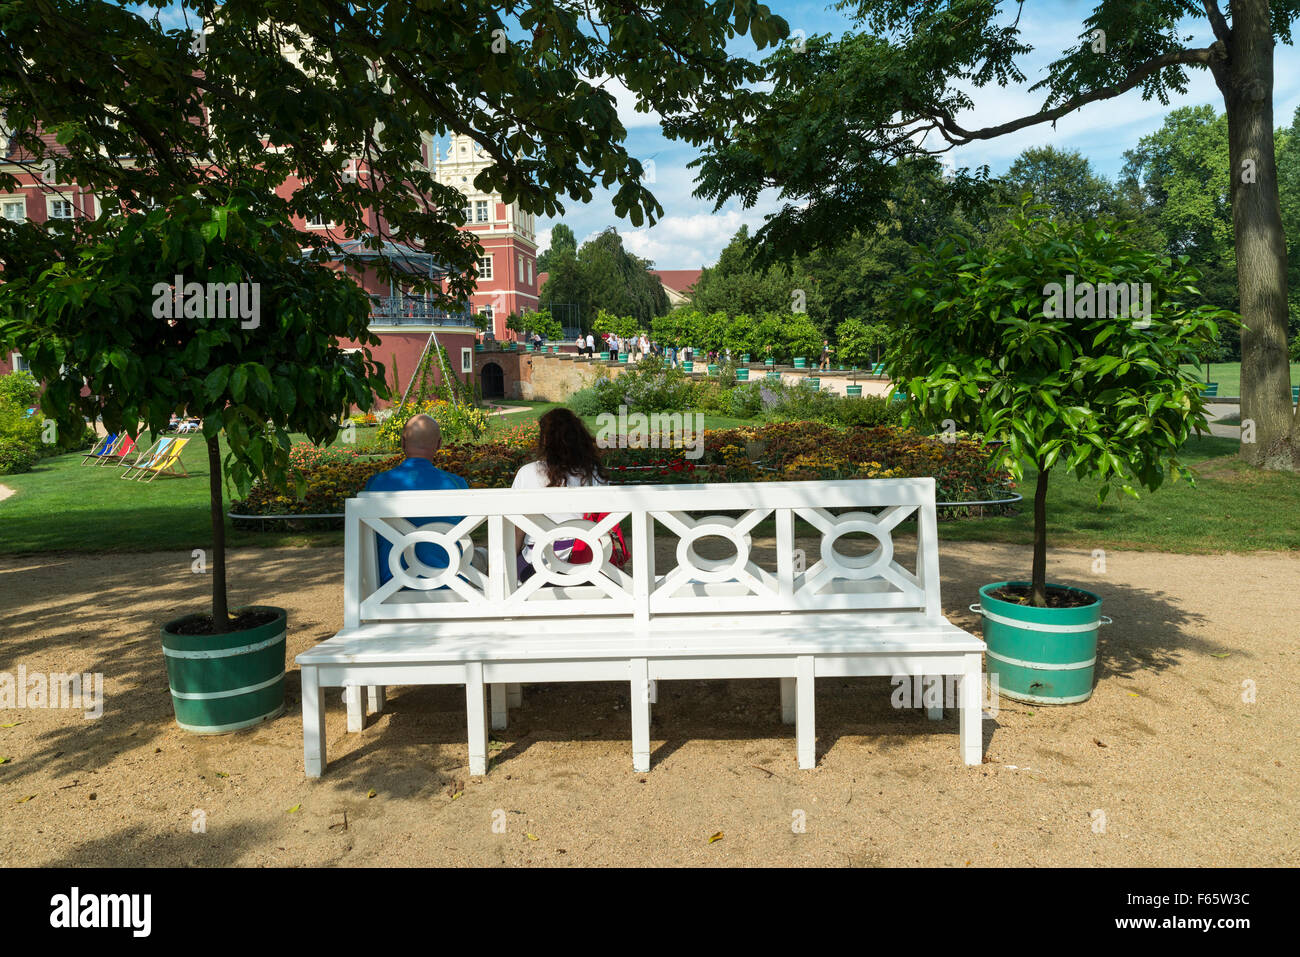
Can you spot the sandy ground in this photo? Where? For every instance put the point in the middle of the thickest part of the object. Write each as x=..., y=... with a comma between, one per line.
x=1167, y=764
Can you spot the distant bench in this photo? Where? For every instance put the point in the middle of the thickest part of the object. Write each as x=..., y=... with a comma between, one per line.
x=705, y=618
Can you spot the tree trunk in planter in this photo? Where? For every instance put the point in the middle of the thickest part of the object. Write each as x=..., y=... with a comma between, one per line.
x=1245, y=77
x=1038, y=574
x=220, y=611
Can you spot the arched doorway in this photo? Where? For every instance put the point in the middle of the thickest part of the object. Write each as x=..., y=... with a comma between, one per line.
x=493, y=381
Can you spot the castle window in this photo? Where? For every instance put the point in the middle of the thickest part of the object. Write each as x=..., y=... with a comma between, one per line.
x=480, y=211
x=60, y=209
x=485, y=267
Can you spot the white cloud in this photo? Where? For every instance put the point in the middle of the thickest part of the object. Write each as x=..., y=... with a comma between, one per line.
x=688, y=242
x=544, y=239
x=625, y=104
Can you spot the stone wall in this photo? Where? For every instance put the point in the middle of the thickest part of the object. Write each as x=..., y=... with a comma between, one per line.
x=554, y=378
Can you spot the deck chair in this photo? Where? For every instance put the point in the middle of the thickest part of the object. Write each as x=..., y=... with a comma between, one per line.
x=117, y=455
x=100, y=449
x=144, y=459
x=167, y=461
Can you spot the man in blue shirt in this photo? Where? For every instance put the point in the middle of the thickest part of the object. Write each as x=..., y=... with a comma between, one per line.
x=421, y=439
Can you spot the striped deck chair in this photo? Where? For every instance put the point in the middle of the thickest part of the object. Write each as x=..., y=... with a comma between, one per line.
x=167, y=461
x=146, y=458
x=117, y=455
x=100, y=449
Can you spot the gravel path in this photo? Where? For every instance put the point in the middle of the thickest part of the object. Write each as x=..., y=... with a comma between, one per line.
x=1185, y=755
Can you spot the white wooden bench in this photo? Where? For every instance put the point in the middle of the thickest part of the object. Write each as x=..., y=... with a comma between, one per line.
x=793, y=617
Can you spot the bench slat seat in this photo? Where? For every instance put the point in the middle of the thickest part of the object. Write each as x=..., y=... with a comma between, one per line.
x=763, y=612
x=593, y=638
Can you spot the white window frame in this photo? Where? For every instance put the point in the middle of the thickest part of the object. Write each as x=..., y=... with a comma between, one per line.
x=318, y=224
x=485, y=267
x=13, y=198
x=50, y=203
x=18, y=364
x=482, y=211
x=520, y=261
x=530, y=272
x=466, y=360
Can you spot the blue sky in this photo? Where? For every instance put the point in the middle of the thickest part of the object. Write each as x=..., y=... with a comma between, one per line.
x=691, y=235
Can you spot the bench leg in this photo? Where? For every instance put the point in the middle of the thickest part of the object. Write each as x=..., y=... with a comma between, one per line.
x=640, y=707
x=499, y=716
x=514, y=695
x=313, y=724
x=356, y=709
x=932, y=696
x=805, y=728
x=787, y=700
x=476, y=713
x=971, y=735
x=376, y=698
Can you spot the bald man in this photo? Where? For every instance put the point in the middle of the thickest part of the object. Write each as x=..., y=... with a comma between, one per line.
x=421, y=439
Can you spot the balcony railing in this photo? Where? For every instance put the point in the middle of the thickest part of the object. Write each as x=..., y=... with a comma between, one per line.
x=414, y=311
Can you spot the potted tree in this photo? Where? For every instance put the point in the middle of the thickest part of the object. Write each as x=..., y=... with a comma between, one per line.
x=127, y=309
x=1068, y=343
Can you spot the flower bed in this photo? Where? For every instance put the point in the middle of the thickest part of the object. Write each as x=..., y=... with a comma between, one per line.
x=786, y=451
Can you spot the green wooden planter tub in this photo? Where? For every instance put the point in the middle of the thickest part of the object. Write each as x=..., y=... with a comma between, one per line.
x=1041, y=655
x=222, y=683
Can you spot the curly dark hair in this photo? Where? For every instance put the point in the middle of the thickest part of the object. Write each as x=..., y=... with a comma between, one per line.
x=565, y=448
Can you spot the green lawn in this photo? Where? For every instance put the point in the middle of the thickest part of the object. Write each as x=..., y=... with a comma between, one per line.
x=1232, y=508
x=63, y=506
x=1228, y=375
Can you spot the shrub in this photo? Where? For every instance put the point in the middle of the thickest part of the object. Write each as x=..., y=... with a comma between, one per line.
x=588, y=401
x=459, y=422
x=869, y=410
x=746, y=401
x=20, y=388
x=17, y=455
x=785, y=451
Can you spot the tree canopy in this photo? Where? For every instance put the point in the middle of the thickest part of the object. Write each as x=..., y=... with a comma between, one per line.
x=830, y=127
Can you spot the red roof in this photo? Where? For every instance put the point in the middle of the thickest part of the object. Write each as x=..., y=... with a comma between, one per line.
x=679, y=280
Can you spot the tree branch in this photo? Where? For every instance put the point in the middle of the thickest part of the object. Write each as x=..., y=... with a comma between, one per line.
x=1217, y=20
x=1205, y=57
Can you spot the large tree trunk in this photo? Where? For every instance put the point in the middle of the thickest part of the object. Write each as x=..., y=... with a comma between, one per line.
x=1245, y=78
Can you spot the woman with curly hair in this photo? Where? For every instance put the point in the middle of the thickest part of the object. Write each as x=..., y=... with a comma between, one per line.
x=566, y=455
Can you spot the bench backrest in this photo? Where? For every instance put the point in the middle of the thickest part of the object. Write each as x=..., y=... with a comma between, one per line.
x=824, y=579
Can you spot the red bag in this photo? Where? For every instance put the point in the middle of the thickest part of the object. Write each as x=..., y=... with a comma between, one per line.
x=581, y=554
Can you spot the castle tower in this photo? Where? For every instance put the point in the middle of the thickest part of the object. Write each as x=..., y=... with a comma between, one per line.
x=508, y=270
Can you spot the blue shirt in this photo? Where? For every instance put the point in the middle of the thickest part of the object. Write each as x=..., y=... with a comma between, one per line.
x=414, y=475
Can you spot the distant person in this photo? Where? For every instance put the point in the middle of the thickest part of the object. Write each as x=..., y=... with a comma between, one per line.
x=611, y=343
x=591, y=345
x=580, y=344
x=825, y=363
x=566, y=456
x=421, y=440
